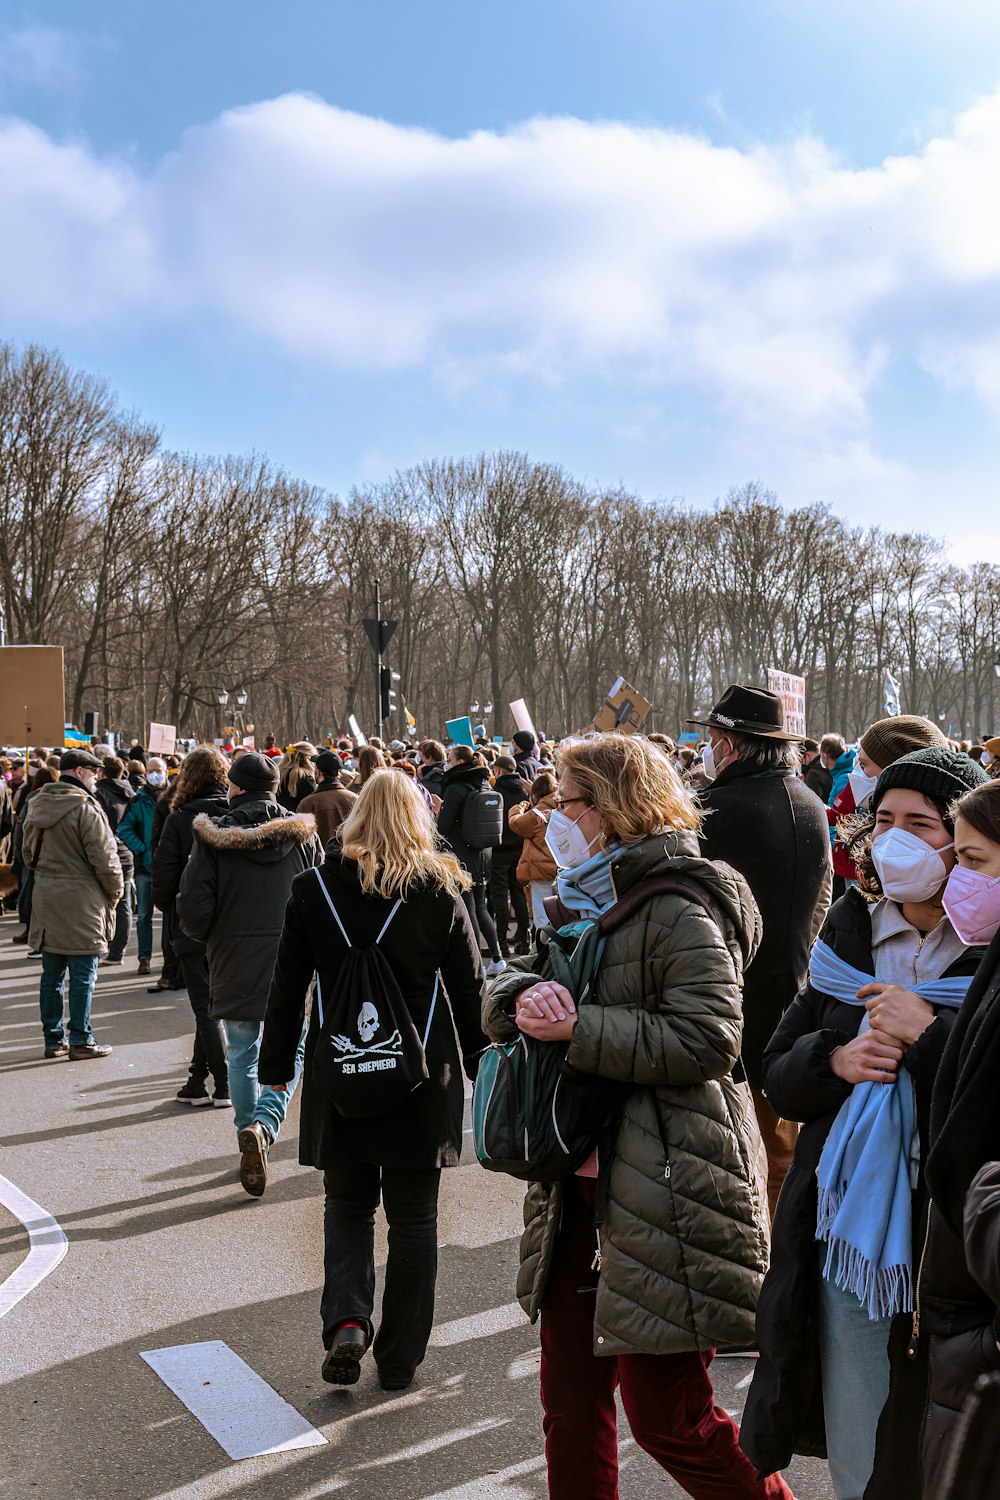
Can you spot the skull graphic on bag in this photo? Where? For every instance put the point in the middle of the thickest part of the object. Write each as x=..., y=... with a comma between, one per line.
x=368, y=1022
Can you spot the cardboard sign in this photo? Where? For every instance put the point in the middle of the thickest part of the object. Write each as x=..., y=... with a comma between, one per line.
x=31, y=695
x=162, y=739
x=522, y=718
x=459, y=731
x=355, y=728
x=249, y=742
x=624, y=709
x=792, y=692
x=688, y=737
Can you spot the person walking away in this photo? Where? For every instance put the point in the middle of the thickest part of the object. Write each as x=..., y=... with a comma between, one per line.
x=536, y=868
x=200, y=788
x=331, y=802
x=136, y=830
x=814, y=772
x=467, y=777
x=854, y=1060
x=171, y=976
x=640, y=1272
x=232, y=898
x=768, y=826
x=432, y=767
x=506, y=889
x=77, y=884
x=297, y=779
x=526, y=758
x=386, y=881
x=114, y=792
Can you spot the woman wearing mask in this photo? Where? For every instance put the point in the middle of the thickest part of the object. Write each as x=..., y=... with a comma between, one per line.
x=854, y=1060
x=680, y=1233
x=957, y=1333
x=387, y=880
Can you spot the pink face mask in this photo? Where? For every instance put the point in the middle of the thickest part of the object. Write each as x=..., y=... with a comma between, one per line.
x=972, y=902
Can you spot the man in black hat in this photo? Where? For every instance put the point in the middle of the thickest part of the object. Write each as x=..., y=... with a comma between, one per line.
x=232, y=898
x=526, y=759
x=331, y=802
x=765, y=822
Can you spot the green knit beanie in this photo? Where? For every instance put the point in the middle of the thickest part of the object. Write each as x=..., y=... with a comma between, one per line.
x=942, y=775
x=888, y=739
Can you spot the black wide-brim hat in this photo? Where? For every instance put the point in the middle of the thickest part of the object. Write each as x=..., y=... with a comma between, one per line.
x=747, y=710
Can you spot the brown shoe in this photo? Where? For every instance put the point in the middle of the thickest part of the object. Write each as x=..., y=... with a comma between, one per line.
x=145, y=966
x=253, y=1143
x=89, y=1049
x=61, y=1051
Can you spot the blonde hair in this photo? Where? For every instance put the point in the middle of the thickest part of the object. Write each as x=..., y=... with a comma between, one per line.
x=390, y=834
x=300, y=768
x=630, y=782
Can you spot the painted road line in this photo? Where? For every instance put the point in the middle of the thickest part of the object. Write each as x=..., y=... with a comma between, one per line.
x=48, y=1245
x=479, y=1326
x=234, y=1405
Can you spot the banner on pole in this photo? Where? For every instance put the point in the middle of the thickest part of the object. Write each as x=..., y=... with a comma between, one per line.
x=792, y=692
x=162, y=739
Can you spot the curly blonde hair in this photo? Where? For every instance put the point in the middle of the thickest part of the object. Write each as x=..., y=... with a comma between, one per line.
x=390, y=834
x=631, y=783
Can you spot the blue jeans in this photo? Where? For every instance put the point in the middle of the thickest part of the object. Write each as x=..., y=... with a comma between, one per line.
x=265, y=1105
x=144, y=913
x=82, y=969
x=854, y=1355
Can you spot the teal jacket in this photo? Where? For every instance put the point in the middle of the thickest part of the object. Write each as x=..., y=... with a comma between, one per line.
x=136, y=827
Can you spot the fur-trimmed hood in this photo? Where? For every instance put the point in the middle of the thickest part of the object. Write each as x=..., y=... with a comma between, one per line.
x=266, y=838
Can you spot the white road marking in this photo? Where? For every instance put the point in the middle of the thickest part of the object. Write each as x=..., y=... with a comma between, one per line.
x=48, y=1245
x=244, y=1415
x=741, y=1385
x=478, y=1326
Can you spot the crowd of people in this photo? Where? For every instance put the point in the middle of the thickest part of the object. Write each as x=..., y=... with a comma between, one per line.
x=794, y=1009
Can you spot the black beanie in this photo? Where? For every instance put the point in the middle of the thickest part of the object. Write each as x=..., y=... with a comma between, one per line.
x=254, y=773
x=941, y=775
x=524, y=740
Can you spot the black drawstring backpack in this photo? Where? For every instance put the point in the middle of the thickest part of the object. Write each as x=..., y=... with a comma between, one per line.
x=369, y=1055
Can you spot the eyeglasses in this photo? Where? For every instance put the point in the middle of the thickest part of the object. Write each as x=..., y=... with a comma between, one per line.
x=561, y=802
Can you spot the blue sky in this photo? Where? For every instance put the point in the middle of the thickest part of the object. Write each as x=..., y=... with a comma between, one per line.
x=674, y=245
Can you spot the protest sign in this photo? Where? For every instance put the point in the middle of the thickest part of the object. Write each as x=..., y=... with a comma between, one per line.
x=522, y=718
x=688, y=737
x=623, y=709
x=162, y=739
x=459, y=731
x=249, y=743
x=31, y=695
x=355, y=728
x=792, y=692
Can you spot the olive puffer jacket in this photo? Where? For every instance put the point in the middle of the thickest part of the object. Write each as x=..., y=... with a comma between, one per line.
x=684, y=1242
x=78, y=876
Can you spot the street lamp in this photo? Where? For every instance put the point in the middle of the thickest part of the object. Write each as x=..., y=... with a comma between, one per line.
x=241, y=698
x=473, y=708
x=223, y=697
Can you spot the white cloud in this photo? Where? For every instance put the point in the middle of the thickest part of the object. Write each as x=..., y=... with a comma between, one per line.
x=776, y=281
x=38, y=55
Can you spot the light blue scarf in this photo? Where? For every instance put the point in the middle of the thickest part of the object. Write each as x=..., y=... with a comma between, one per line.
x=587, y=890
x=871, y=1161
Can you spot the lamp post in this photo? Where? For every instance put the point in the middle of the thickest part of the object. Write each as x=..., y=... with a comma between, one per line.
x=223, y=697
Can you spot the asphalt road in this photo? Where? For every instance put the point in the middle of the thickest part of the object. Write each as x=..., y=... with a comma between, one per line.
x=166, y=1249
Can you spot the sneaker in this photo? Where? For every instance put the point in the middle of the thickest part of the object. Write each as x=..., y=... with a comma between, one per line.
x=88, y=1049
x=145, y=966
x=253, y=1143
x=160, y=986
x=495, y=968
x=194, y=1093
x=111, y=963
x=221, y=1099
x=61, y=1050
x=342, y=1363
x=33, y=953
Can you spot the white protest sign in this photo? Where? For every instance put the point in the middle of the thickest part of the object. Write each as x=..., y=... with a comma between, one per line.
x=162, y=739
x=356, y=729
x=522, y=718
x=792, y=692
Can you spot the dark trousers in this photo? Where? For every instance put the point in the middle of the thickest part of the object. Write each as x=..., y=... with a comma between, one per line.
x=209, y=1053
x=668, y=1398
x=410, y=1199
x=123, y=922
x=479, y=915
x=504, y=884
x=171, y=961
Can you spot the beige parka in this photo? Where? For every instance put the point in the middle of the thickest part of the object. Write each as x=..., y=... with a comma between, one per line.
x=78, y=876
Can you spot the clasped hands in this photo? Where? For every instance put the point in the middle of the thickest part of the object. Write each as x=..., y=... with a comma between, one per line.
x=545, y=1011
x=898, y=1017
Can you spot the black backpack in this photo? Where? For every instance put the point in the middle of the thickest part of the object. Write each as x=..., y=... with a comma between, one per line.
x=369, y=1055
x=533, y=1116
x=482, y=819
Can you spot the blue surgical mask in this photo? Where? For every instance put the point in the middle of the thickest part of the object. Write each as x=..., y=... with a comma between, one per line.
x=156, y=778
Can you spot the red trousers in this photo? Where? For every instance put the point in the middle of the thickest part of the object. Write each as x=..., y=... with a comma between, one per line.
x=668, y=1398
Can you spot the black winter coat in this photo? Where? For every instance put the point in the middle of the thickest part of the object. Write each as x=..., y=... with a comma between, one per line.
x=431, y=776
x=457, y=784
x=959, y=1284
x=430, y=931
x=115, y=797
x=172, y=851
x=528, y=767
x=784, y=1409
x=513, y=791
x=290, y=800
x=233, y=892
x=772, y=829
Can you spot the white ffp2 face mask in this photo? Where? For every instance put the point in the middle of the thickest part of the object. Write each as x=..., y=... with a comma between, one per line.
x=862, y=786
x=567, y=842
x=909, y=869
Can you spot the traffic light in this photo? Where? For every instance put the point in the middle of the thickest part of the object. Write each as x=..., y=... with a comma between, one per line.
x=388, y=692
